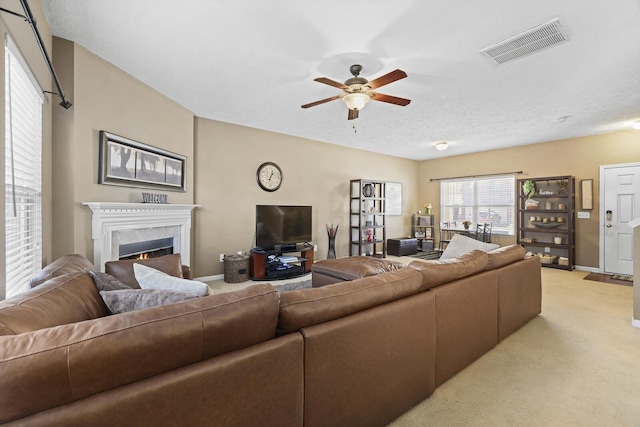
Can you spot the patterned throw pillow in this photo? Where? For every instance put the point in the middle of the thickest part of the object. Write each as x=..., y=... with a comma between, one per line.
x=124, y=300
x=106, y=282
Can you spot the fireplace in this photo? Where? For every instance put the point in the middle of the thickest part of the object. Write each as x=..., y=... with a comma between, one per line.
x=125, y=224
x=146, y=249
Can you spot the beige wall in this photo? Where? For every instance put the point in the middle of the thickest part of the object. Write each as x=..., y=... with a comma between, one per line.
x=105, y=98
x=580, y=157
x=24, y=38
x=315, y=173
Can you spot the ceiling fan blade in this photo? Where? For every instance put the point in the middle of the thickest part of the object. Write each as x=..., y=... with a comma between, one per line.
x=353, y=114
x=387, y=78
x=322, y=101
x=390, y=99
x=331, y=82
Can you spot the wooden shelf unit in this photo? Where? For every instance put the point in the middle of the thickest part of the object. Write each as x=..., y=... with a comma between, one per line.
x=555, y=208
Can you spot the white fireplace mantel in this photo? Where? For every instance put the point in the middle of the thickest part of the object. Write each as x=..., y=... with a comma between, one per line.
x=114, y=217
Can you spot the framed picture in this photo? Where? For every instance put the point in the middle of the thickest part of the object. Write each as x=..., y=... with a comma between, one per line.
x=130, y=163
x=586, y=194
x=393, y=198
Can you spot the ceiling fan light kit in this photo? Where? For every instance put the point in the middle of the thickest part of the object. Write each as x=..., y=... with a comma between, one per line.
x=356, y=101
x=358, y=91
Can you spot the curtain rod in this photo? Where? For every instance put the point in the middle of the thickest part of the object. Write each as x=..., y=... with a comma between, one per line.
x=32, y=22
x=475, y=176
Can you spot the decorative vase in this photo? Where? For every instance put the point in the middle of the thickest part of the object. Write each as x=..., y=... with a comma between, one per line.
x=331, y=233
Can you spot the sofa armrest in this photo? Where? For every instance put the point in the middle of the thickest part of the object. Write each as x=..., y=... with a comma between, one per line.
x=186, y=272
x=62, y=300
x=65, y=264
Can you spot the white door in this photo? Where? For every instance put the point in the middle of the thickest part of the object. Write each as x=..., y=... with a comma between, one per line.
x=620, y=203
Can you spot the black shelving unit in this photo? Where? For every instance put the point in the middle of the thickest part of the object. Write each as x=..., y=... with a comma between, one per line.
x=546, y=224
x=367, y=233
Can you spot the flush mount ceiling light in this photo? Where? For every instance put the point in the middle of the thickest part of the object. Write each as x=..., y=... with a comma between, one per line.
x=441, y=146
x=636, y=124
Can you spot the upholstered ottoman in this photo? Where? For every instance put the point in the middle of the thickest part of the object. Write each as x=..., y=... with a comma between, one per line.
x=337, y=270
x=402, y=246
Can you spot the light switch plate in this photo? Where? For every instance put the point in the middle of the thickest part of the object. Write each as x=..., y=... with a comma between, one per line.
x=584, y=215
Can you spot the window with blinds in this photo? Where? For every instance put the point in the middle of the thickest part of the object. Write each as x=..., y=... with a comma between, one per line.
x=488, y=199
x=23, y=176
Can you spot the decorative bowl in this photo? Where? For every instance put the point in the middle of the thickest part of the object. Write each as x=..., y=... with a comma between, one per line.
x=545, y=224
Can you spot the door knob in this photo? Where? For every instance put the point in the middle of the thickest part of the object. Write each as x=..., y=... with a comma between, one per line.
x=609, y=225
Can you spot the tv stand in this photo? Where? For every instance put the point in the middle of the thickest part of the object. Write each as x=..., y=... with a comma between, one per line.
x=278, y=263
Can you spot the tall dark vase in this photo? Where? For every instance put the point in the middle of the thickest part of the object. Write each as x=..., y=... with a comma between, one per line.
x=331, y=233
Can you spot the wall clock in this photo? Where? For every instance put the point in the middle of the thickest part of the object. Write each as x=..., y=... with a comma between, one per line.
x=269, y=176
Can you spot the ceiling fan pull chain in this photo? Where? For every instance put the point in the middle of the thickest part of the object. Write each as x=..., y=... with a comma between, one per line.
x=354, y=128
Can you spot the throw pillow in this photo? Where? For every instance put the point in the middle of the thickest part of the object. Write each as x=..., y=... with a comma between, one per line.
x=461, y=245
x=123, y=300
x=106, y=282
x=150, y=278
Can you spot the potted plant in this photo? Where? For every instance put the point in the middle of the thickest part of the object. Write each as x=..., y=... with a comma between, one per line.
x=529, y=189
x=466, y=224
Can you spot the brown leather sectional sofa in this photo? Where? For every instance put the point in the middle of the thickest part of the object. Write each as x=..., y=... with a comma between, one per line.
x=356, y=353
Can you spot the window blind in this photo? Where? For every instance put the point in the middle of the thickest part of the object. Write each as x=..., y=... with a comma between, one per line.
x=23, y=174
x=488, y=199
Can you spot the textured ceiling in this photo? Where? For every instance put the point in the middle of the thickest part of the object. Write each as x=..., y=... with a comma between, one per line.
x=252, y=63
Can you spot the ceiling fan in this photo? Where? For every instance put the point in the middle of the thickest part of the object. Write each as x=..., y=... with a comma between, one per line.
x=358, y=90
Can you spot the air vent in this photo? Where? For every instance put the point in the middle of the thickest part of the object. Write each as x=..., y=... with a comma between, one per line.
x=527, y=43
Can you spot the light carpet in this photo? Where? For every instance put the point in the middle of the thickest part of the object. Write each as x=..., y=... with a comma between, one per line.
x=577, y=364
x=300, y=282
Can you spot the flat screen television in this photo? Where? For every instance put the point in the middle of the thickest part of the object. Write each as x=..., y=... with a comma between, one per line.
x=282, y=225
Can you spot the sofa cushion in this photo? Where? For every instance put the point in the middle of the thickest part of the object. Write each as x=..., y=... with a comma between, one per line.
x=123, y=300
x=150, y=278
x=66, y=264
x=462, y=244
x=299, y=309
x=505, y=255
x=106, y=282
x=64, y=299
x=123, y=269
x=438, y=272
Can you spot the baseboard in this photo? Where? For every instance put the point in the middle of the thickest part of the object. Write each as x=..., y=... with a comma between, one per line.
x=635, y=323
x=589, y=269
x=209, y=278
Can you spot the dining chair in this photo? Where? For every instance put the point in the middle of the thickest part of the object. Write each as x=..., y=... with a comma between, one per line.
x=445, y=236
x=480, y=232
x=486, y=235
